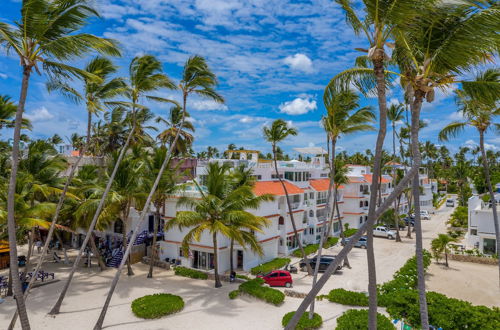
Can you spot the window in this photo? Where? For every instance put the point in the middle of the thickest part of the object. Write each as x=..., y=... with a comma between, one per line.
x=292, y=242
x=321, y=197
x=283, y=275
x=305, y=196
x=366, y=203
x=273, y=176
x=321, y=214
x=274, y=275
x=181, y=253
x=311, y=231
x=257, y=177
x=336, y=227
x=289, y=176
x=323, y=175
x=311, y=195
x=281, y=221
x=318, y=230
x=489, y=246
x=304, y=218
x=366, y=218
x=360, y=203
x=473, y=231
x=311, y=213
x=360, y=220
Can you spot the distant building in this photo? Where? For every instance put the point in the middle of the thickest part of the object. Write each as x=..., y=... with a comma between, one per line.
x=481, y=227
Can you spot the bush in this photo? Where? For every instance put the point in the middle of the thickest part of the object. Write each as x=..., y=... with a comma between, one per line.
x=255, y=288
x=157, y=305
x=312, y=248
x=459, y=217
x=234, y=294
x=243, y=277
x=444, y=312
x=331, y=241
x=358, y=319
x=350, y=232
x=345, y=297
x=304, y=323
x=192, y=273
x=269, y=266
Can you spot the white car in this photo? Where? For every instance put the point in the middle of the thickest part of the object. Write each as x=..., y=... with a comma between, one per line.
x=450, y=202
x=425, y=215
x=382, y=231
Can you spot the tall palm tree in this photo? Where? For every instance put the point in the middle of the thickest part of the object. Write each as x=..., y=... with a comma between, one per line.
x=168, y=135
x=94, y=93
x=45, y=38
x=145, y=75
x=429, y=55
x=220, y=211
x=479, y=109
x=197, y=78
x=278, y=132
x=342, y=119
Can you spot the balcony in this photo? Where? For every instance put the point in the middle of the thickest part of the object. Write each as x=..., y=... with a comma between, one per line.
x=295, y=205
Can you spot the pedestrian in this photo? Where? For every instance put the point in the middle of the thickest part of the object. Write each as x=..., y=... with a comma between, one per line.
x=38, y=245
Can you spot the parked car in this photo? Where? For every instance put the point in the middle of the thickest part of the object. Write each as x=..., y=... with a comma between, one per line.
x=325, y=261
x=278, y=278
x=450, y=202
x=424, y=215
x=409, y=221
x=359, y=244
x=382, y=231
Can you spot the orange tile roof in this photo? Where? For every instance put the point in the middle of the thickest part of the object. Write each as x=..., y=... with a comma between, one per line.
x=75, y=153
x=275, y=188
x=368, y=178
x=356, y=179
x=321, y=184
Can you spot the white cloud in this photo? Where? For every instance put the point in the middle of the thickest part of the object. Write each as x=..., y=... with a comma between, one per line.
x=208, y=105
x=488, y=146
x=246, y=120
x=3, y=75
x=299, y=106
x=40, y=114
x=456, y=116
x=299, y=62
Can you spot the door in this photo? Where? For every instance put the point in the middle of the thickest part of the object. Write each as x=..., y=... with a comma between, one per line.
x=239, y=259
x=273, y=279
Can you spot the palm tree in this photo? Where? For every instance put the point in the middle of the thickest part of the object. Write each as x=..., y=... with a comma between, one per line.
x=440, y=245
x=342, y=119
x=243, y=177
x=44, y=38
x=197, y=78
x=278, y=132
x=145, y=76
x=479, y=109
x=173, y=123
x=220, y=211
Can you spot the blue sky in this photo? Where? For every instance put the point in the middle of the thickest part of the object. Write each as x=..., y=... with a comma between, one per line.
x=273, y=60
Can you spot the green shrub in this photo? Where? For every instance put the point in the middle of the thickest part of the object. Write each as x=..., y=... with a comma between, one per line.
x=444, y=312
x=269, y=266
x=312, y=248
x=192, y=273
x=331, y=241
x=255, y=288
x=406, y=276
x=358, y=319
x=350, y=232
x=243, y=277
x=157, y=305
x=345, y=297
x=234, y=294
x=304, y=323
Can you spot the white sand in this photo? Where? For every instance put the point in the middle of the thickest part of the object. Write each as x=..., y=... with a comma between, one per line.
x=210, y=308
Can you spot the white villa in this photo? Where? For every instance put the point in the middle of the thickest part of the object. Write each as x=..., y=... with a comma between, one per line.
x=481, y=228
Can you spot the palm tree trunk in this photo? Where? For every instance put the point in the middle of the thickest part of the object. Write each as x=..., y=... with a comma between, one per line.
x=410, y=201
x=218, y=283
x=446, y=257
x=415, y=114
x=30, y=245
x=378, y=68
x=50, y=233
x=11, y=222
x=9, y=286
x=125, y=244
x=290, y=211
x=55, y=310
x=231, y=253
x=94, y=248
x=492, y=198
x=397, y=202
x=102, y=315
x=324, y=226
x=153, y=246
x=342, y=235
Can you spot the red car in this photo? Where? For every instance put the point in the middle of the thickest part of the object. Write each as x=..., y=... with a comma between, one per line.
x=278, y=278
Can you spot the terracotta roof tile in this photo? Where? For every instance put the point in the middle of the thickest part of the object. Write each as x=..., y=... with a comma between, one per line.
x=275, y=188
x=321, y=184
x=368, y=178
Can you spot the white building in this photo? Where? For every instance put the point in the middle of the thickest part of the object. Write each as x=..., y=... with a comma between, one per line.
x=481, y=228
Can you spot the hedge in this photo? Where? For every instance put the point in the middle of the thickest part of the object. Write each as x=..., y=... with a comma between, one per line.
x=406, y=277
x=269, y=266
x=358, y=319
x=243, y=277
x=157, y=305
x=312, y=248
x=349, y=232
x=345, y=297
x=254, y=288
x=192, y=273
x=444, y=312
x=304, y=323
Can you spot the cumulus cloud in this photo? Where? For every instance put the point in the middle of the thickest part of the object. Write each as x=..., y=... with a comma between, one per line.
x=299, y=106
x=299, y=62
x=208, y=105
x=456, y=116
x=40, y=114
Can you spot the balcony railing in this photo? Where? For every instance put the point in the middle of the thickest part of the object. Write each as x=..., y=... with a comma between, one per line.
x=295, y=205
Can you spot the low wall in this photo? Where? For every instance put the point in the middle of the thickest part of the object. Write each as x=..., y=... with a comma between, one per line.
x=475, y=259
